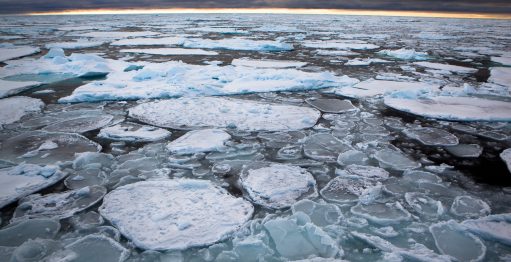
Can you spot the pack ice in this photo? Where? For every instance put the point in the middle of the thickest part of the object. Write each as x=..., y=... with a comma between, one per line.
x=175, y=214
x=371, y=87
x=187, y=113
x=238, y=44
x=8, y=52
x=197, y=141
x=14, y=108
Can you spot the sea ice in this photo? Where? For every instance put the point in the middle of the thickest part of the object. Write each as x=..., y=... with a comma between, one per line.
x=365, y=61
x=277, y=185
x=371, y=87
x=9, y=88
x=86, y=177
x=395, y=160
x=14, y=108
x=343, y=189
x=470, y=207
x=133, y=132
x=149, y=41
x=347, y=45
x=42, y=147
x=78, y=44
x=447, y=67
x=454, y=108
x=506, y=157
x=11, y=52
x=405, y=54
x=238, y=44
x=58, y=205
x=492, y=228
x=452, y=240
x=330, y=105
x=97, y=247
x=501, y=76
x=80, y=125
x=219, y=30
x=295, y=237
x=366, y=172
x=115, y=34
x=24, y=179
x=174, y=214
x=424, y=205
x=16, y=234
x=169, y=51
x=389, y=213
x=320, y=214
x=324, y=147
x=352, y=157
x=465, y=150
x=197, y=141
x=431, y=136
x=267, y=63
x=186, y=113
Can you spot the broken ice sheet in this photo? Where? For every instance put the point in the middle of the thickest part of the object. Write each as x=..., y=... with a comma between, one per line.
x=405, y=54
x=452, y=239
x=267, y=63
x=329, y=105
x=371, y=87
x=16, y=234
x=80, y=124
x=395, y=160
x=238, y=44
x=14, y=108
x=9, y=88
x=133, y=132
x=389, y=213
x=324, y=147
x=169, y=51
x=344, y=190
x=431, y=136
x=11, y=51
x=199, y=141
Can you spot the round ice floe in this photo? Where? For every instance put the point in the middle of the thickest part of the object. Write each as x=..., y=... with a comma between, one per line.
x=368, y=172
x=451, y=239
x=197, y=141
x=174, y=214
x=471, y=207
x=133, y=132
x=424, y=204
x=86, y=177
x=352, y=157
x=14, y=108
x=97, y=248
x=496, y=228
x=506, y=157
x=465, y=150
x=59, y=205
x=431, y=136
x=277, y=185
x=347, y=189
x=324, y=147
x=186, y=113
x=382, y=213
x=41, y=147
x=454, y=108
x=320, y=214
x=17, y=233
x=395, y=160
x=329, y=105
x=35, y=250
x=80, y=125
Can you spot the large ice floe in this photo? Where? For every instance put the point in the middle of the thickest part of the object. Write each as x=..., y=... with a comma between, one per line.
x=453, y=108
x=238, y=44
x=175, y=214
x=370, y=88
x=405, y=54
x=148, y=41
x=197, y=141
x=447, y=67
x=169, y=51
x=8, y=52
x=14, y=108
x=267, y=63
x=78, y=44
x=187, y=113
x=9, y=88
x=175, y=79
x=133, y=132
x=277, y=186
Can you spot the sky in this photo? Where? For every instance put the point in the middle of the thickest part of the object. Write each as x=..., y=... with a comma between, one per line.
x=468, y=6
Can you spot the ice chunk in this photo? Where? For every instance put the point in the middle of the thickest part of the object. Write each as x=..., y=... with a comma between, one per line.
x=11, y=52
x=206, y=140
x=94, y=159
x=78, y=44
x=470, y=207
x=454, y=108
x=405, y=54
x=9, y=88
x=35, y=250
x=452, y=240
x=493, y=228
x=86, y=177
x=238, y=44
x=27, y=147
x=343, y=189
x=277, y=185
x=80, y=125
x=219, y=30
x=447, y=67
x=267, y=63
x=334, y=106
x=169, y=51
x=346, y=45
x=365, y=61
x=465, y=150
x=506, y=157
x=320, y=214
x=14, y=108
x=174, y=214
x=366, y=172
x=97, y=248
x=431, y=136
x=16, y=234
x=324, y=147
x=295, y=237
x=59, y=205
x=172, y=40
x=352, y=157
x=115, y=34
x=25, y=179
x=501, y=76
x=371, y=87
x=382, y=213
x=133, y=132
x=224, y=112
x=395, y=160
x=424, y=205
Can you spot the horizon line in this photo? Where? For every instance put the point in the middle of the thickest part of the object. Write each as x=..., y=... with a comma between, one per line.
x=312, y=11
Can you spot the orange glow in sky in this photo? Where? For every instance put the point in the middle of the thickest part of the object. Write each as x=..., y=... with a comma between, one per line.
x=276, y=11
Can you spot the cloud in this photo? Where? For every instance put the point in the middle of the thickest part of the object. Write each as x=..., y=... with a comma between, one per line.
x=491, y=6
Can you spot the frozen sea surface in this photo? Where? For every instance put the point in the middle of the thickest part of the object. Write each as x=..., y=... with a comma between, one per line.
x=218, y=137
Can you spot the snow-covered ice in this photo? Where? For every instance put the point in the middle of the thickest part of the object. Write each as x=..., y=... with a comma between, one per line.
x=329, y=105
x=447, y=67
x=169, y=51
x=197, y=141
x=14, y=108
x=452, y=240
x=267, y=63
x=148, y=41
x=373, y=87
x=78, y=44
x=11, y=52
x=9, y=88
x=395, y=160
x=493, y=228
x=431, y=136
x=185, y=113
x=470, y=207
x=238, y=44
x=501, y=76
x=405, y=54
x=133, y=132
x=80, y=124
x=174, y=214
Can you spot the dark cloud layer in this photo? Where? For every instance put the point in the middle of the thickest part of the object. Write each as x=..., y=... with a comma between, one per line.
x=490, y=6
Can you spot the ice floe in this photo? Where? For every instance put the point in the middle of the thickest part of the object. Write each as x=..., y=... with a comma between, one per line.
x=115, y=34
x=149, y=41
x=405, y=54
x=206, y=140
x=133, y=132
x=324, y=147
x=267, y=63
x=276, y=185
x=186, y=113
x=346, y=189
x=470, y=207
x=174, y=214
x=346, y=45
x=321, y=214
x=493, y=228
x=382, y=213
x=80, y=124
x=16, y=234
x=373, y=87
x=78, y=44
x=395, y=160
x=238, y=44
x=452, y=240
x=24, y=179
x=169, y=51
x=501, y=76
x=424, y=205
x=10, y=51
x=465, y=150
x=447, y=67
x=330, y=105
x=97, y=247
x=506, y=157
x=14, y=108
x=9, y=88
x=431, y=136
x=453, y=108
